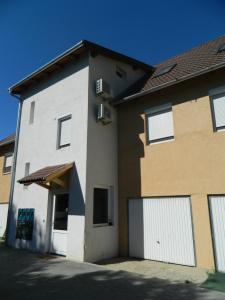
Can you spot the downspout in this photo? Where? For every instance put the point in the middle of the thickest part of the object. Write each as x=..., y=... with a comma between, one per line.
x=13, y=168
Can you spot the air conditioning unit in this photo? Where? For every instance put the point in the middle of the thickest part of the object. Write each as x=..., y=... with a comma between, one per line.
x=104, y=114
x=102, y=88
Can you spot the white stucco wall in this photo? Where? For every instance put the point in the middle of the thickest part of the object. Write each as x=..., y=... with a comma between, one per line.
x=64, y=93
x=3, y=217
x=102, y=242
x=93, y=149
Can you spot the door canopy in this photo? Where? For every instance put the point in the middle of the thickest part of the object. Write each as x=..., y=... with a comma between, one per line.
x=48, y=176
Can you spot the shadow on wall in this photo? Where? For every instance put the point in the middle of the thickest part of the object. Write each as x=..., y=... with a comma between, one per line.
x=41, y=232
x=58, y=74
x=25, y=276
x=131, y=150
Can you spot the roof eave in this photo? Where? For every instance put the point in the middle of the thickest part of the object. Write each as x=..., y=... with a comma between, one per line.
x=7, y=143
x=13, y=88
x=169, y=84
x=82, y=45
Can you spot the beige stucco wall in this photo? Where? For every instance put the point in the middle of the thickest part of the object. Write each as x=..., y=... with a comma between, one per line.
x=5, y=179
x=193, y=164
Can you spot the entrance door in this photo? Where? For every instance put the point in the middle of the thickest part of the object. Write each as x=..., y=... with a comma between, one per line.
x=59, y=224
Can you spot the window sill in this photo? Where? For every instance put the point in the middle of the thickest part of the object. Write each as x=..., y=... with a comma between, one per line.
x=6, y=173
x=63, y=146
x=220, y=129
x=102, y=225
x=162, y=141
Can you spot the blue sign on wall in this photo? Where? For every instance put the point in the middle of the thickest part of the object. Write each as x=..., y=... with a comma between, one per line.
x=25, y=224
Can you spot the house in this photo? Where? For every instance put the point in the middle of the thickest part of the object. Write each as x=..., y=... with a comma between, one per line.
x=116, y=157
x=6, y=159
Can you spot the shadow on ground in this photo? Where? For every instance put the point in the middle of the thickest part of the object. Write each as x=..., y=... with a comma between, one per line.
x=25, y=275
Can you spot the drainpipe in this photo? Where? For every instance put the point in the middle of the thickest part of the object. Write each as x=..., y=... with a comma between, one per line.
x=13, y=167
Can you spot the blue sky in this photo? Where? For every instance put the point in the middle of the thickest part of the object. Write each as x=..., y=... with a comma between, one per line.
x=33, y=32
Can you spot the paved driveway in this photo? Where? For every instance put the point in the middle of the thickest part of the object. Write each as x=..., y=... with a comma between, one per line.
x=25, y=275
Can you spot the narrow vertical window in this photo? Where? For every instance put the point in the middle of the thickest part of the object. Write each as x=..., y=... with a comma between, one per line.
x=32, y=107
x=26, y=173
x=64, y=132
x=27, y=169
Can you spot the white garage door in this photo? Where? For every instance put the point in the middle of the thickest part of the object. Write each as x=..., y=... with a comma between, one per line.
x=161, y=229
x=217, y=214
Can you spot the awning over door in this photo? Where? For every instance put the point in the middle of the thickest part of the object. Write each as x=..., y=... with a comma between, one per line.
x=48, y=175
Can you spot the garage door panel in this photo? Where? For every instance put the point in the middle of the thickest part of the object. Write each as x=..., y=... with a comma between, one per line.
x=217, y=214
x=167, y=230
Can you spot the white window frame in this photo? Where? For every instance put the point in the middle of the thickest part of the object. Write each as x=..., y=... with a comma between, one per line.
x=60, y=120
x=213, y=93
x=110, y=205
x=155, y=111
x=4, y=165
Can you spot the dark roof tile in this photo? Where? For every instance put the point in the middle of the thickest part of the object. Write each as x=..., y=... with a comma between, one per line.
x=8, y=140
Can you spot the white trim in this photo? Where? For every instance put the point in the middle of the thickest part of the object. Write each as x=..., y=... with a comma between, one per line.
x=59, y=131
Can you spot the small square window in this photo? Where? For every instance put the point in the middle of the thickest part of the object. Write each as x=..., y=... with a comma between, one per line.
x=100, y=211
x=8, y=163
x=218, y=109
x=120, y=72
x=221, y=48
x=64, y=131
x=160, y=123
x=164, y=70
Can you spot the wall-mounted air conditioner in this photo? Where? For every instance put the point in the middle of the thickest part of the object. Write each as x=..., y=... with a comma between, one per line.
x=103, y=114
x=102, y=88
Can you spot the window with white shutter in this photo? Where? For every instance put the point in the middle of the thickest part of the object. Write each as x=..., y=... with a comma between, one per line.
x=218, y=103
x=160, y=123
x=64, y=131
x=8, y=163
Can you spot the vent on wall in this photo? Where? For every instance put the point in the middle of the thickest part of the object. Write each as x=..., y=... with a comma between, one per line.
x=102, y=88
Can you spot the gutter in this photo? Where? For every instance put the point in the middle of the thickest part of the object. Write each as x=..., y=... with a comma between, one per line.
x=13, y=176
x=170, y=83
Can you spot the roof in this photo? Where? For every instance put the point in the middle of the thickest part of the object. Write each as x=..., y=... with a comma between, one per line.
x=197, y=61
x=68, y=56
x=44, y=175
x=8, y=140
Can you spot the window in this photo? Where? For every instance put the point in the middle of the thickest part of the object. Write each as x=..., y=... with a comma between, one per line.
x=27, y=169
x=164, y=70
x=100, y=215
x=8, y=163
x=221, y=48
x=160, y=123
x=218, y=109
x=26, y=173
x=64, y=132
x=32, y=107
x=120, y=72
